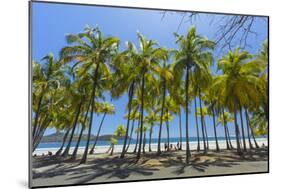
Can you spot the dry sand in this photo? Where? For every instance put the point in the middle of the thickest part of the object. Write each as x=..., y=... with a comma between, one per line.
x=104, y=168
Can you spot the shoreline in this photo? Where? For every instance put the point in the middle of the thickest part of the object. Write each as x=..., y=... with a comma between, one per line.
x=118, y=148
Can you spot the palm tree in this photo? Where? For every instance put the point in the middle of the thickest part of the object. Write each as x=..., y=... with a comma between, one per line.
x=106, y=109
x=92, y=53
x=223, y=119
x=135, y=116
x=126, y=77
x=75, y=95
x=151, y=119
x=147, y=58
x=193, y=49
x=238, y=83
x=167, y=118
x=48, y=81
x=120, y=131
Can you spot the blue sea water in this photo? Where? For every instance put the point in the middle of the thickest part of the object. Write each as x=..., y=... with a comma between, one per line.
x=133, y=141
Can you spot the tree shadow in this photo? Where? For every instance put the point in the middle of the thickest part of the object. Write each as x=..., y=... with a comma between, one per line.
x=101, y=169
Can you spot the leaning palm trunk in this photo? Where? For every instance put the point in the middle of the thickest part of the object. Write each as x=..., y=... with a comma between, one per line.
x=131, y=94
x=40, y=133
x=186, y=116
x=202, y=123
x=37, y=114
x=84, y=157
x=248, y=129
x=111, y=149
x=197, y=127
x=138, y=135
x=229, y=138
x=74, y=154
x=253, y=135
x=215, y=130
x=131, y=134
x=98, y=134
x=252, y=132
x=63, y=142
x=180, y=147
x=66, y=151
x=161, y=118
x=242, y=128
x=142, y=109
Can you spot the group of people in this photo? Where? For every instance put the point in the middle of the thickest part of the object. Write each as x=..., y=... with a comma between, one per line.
x=172, y=147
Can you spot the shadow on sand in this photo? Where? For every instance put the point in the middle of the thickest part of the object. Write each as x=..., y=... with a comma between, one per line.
x=114, y=168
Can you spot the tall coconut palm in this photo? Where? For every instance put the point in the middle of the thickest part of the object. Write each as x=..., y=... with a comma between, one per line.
x=147, y=58
x=92, y=53
x=193, y=48
x=126, y=78
x=48, y=77
x=166, y=76
x=238, y=83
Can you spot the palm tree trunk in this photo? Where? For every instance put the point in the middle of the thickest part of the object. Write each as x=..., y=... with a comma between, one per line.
x=63, y=142
x=131, y=134
x=84, y=157
x=206, y=133
x=180, y=148
x=142, y=109
x=138, y=135
x=253, y=135
x=186, y=116
x=252, y=132
x=161, y=117
x=150, y=136
x=237, y=133
x=74, y=154
x=225, y=130
x=37, y=114
x=144, y=142
x=242, y=128
x=66, y=151
x=168, y=134
x=112, y=149
x=98, y=134
x=40, y=134
x=215, y=130
x=248, y=129
x=197, y=127
x=229, y=138
x=131, y=94
x=202, y=123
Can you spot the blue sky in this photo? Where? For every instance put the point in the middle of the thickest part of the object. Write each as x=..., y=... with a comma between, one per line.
x=51, y=22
